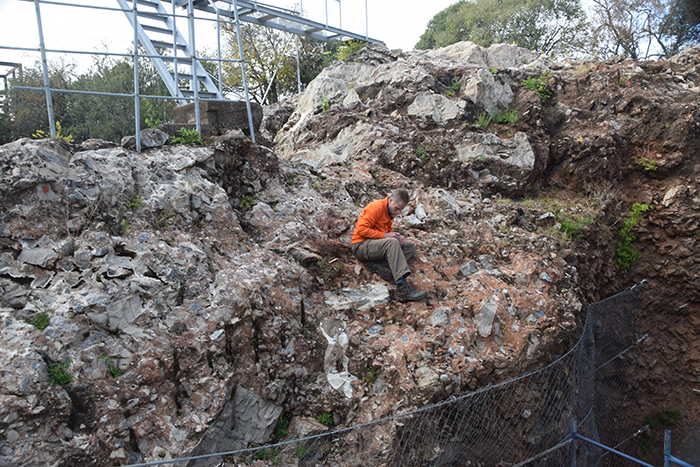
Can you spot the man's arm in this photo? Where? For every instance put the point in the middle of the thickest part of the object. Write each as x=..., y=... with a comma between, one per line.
x=365, y=225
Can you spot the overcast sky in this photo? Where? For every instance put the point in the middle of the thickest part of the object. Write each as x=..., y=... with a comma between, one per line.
x=398, y=23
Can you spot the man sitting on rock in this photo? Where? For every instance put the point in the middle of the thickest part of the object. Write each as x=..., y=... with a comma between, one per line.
x=384, y=251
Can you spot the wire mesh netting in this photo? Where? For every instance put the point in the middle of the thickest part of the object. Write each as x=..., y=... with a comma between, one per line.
x=524, y=421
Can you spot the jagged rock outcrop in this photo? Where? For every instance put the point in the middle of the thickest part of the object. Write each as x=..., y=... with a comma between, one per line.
x=195, y=294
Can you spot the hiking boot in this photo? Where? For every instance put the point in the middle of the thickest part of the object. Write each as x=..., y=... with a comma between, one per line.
x=380, y=268
x=406, y=293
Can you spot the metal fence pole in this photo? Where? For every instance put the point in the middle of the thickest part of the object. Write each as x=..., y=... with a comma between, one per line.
x=137, y=103
x=573, y=442
x=45, y=68
x=243, y=72
x=194, y=84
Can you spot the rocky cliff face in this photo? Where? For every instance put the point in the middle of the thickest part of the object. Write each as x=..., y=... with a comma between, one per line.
x=197, y=294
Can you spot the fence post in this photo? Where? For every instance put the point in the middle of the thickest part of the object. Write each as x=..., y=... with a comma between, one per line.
x=137, y=101
x=667, y=448
x=573, y=442
x=45, y=68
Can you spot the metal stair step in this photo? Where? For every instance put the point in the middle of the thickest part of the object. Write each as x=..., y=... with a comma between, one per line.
x=148, y=14
x=168, y=45
x=146, y=27
x=202, y=94
x=150, y=3
x=189, y=76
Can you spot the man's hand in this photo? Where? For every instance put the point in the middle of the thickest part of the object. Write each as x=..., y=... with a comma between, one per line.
x=395, y=235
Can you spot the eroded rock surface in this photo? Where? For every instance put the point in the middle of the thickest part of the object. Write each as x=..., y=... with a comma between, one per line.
x=196, y=294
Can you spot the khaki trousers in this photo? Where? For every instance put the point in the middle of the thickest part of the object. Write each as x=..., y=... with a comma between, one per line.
x=389, y=249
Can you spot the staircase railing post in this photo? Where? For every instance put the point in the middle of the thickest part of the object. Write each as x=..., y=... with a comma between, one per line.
x=45, y=69
x=137, y=108
x=243, y=71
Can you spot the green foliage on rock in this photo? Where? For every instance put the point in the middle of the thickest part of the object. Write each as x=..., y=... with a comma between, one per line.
x=626, y=254
x=58, y=373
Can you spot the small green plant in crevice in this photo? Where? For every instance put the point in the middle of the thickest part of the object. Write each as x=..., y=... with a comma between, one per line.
x=185, y=136
x=454, y=87
x=325, y=104
x=326, y=419
x=325, y=267
x=626, y=254
x=505, y=116
x=308, y=330
x=41, y=320
x=267, y=454
x=282, y=427
x=113, y=369
x=494, y=70
x=40, y=134
x=484, y=120
x=247, y=202
x=303, y=449
x=540, y=85
x=371, y=375
x=58, y=373
x=572, y=227
x=135, y=201
x=647, y=164
x=645, y=445
x=666, y=417
x=121, y=227
x=291, y=180
x=422, y=151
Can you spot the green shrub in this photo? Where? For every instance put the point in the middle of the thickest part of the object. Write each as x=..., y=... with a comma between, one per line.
x=456, y=85
x=325, y=104
x=505, y=116
x=422, y=151
x=186, y=136
x=347, y=48
x=58, y=373
x=326, y=419
x=626, y=254
x=484, y=120
x=135, y=201
x=540, y=85
x=371, y=375
x=267, y=454
x=41, y=320
x=572, y=227
x=647, y=164
x=303, y=449
x=282, y=427
x=247, y=202
x=121, y=227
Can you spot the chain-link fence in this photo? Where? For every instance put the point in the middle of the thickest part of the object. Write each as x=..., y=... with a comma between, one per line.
x=524, y=421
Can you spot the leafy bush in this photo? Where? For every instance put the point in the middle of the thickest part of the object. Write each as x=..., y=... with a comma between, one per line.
x=282, y=427
x=371, y=375
x=41, y=320
x=186, y=136
x=325, y=104
x=58, y=373
x=505, y=116
x=626, y=254
x=247, y=202
x=348, y=48
x=326, y=419
x=303, y=449
x=540, y=85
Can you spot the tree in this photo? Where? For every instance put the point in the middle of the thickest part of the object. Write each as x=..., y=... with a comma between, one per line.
x=546, y=26
x=271, y=58
x=25, y=110
x=643, y=29
x=84, y=116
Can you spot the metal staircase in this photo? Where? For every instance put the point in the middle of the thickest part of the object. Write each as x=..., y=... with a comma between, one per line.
x=175, y=58
x=159, y=36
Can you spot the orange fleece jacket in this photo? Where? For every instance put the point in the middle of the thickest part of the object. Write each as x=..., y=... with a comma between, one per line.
x=374, y=221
